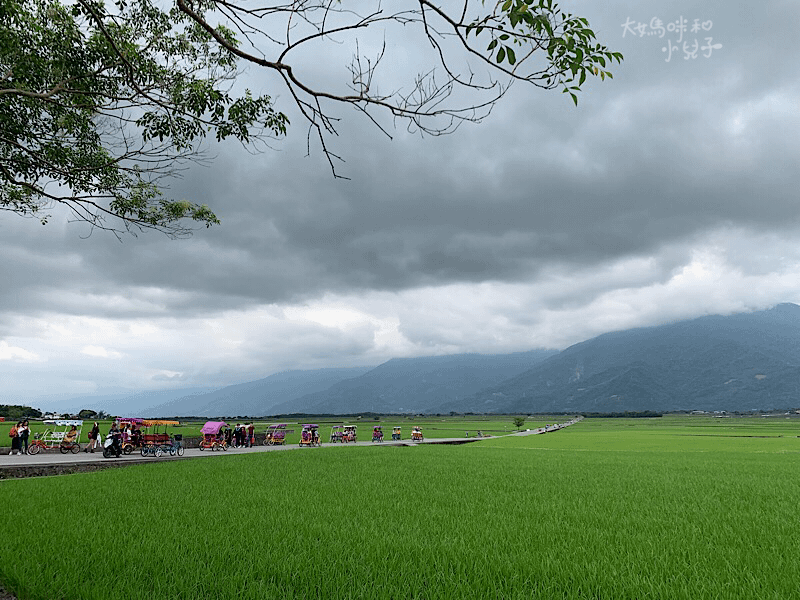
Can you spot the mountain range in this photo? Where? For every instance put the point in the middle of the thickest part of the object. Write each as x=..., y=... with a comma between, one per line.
x=742, y=362
x=413, y=385
x=259, y=397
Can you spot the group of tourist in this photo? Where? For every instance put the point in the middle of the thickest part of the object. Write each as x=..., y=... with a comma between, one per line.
x=20, y=433
x=19, y=438
x=243, y=435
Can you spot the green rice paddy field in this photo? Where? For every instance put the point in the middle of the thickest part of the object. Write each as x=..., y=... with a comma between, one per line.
x=676, y=507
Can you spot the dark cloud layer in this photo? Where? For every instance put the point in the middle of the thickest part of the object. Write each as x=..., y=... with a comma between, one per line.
x=649, y=164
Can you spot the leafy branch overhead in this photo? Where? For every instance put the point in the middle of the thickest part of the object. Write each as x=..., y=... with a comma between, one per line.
x=530, y=26
x=98, y=105
x=102, y=102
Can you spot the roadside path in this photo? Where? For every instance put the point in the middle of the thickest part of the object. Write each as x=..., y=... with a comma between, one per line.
x=549, y=428
x=53, y=462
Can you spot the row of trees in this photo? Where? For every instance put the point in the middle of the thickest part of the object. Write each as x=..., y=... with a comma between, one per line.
x=15, y=412
x=102, y=101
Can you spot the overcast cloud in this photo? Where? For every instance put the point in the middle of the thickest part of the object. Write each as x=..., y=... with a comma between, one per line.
x=667, y=194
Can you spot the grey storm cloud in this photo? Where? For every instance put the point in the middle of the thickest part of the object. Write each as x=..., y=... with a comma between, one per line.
x=662, y=156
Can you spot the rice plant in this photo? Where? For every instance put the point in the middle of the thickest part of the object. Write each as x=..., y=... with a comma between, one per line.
x=604, y=509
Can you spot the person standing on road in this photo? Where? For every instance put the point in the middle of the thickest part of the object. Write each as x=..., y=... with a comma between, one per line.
x=24, y=432
x=15, y=439
x=228, y=436
x=251, y=435
x=94, y=434
x=96, y=439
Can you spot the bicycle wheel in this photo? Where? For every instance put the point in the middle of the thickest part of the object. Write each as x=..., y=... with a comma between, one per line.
x=172, y=451
x=75, y=448
x=34, y=449
x=180, y=450
x=144, y=450
x=63, y=449
x=159, y=452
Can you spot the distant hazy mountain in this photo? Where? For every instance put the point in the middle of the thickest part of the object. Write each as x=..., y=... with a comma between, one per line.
x=123, y=402
x=415, y=384
x=739, y=362
x=734, y=363
x=256, y=398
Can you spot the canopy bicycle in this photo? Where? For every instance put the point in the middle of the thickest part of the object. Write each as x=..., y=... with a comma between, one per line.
x=310, y=436
x=131, y=429
x=64, y=435
x=158, y=443
x=276, y=434
x=213, y=437
x=349, y=433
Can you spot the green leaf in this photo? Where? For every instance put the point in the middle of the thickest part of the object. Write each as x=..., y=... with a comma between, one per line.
x=501, y=54
x=512, y=58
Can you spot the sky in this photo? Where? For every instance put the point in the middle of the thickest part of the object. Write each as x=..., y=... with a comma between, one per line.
x=667, y=194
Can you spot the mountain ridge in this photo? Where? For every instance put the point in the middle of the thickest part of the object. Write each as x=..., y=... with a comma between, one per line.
x=739, y=362
x=402, y=385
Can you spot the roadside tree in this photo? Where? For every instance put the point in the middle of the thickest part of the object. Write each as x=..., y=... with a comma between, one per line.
x=101, y=101
x=17, y=411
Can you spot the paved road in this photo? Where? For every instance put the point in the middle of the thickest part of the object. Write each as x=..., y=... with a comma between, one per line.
x=54, y=457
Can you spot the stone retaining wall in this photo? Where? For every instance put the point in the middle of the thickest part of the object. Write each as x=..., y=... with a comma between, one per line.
x=20, y=471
